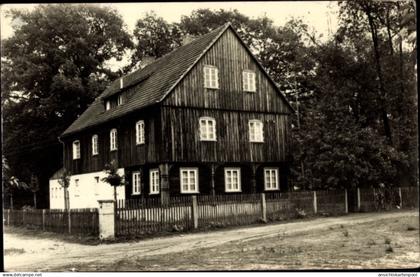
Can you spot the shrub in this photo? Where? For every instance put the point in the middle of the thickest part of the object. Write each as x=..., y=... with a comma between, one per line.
x=300, y=213
x=387, y=241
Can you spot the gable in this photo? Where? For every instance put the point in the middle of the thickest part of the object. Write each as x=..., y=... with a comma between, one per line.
x=230, y=55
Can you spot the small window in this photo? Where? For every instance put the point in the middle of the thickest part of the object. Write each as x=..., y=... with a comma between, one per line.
x=271, y=178
x=207, y=129
x=119, y=100
x=256, y=133
x=211, y=77
x=154, y=181
x=189, y=180
x=76, y=150
x=248, y=80
x=140, y=132
x=107, y=105
x=113, y=140
x=95, y=145
x=52, y=192
x=136, y=183
x=76, y=188
x=232, y=179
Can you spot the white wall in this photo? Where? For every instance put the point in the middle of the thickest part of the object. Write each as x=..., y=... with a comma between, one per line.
x=87, y=193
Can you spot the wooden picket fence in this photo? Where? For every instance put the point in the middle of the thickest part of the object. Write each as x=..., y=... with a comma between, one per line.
x=75, y=221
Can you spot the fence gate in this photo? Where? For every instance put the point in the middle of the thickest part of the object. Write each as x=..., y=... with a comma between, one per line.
x=352, y=200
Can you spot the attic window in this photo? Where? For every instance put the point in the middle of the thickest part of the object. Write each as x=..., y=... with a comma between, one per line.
x=76, y=150
x=121, y=82
x=248, y=78
x=119, y=100
x=211, y=77
x=107, y=105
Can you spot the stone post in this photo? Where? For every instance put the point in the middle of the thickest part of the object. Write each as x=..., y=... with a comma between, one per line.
x=358, y=199
x=164, y=184
x=263, y=208
x=106, y=219
x=401, y=200
x=195, y=211
x=69, y=220
x=315, y=204
x=346, y=202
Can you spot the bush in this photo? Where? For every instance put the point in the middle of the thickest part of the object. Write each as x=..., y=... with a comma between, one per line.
x=300, y=213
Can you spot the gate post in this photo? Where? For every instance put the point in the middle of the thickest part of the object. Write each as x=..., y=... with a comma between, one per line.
x=106, y=219
x=400, y=194
x=315, y=203
x=195, y=211
x=346, y=202
x=263, y=208
x=69, y=220
x=43, y=219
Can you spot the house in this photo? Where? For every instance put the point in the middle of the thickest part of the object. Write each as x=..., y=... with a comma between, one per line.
x=203, y=119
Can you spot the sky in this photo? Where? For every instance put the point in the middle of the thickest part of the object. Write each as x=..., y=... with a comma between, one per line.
x=322, y=16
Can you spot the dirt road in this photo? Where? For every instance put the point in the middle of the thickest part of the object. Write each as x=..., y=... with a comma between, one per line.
x=26, y=253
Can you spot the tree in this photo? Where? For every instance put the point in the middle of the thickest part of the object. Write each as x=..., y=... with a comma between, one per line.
x=64, y=181
x=53, y=67
x=34, y=187
x=155, y=37
x=113, y=178
x=11, y=184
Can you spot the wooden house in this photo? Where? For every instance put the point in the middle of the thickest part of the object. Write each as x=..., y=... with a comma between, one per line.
x=203, y=119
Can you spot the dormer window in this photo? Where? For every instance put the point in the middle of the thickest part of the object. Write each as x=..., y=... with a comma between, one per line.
x=107, y=105
x=248, y=80
x=211, y=77
x=95, y=145
x=119, y=100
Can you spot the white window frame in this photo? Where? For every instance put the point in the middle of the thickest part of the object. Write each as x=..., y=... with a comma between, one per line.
x=136, y=184
x=248, y=81
x=119, y=100
x=207, y=132
x=191, y=172
x=256, y=130
x=113, y=141
x=227, y=181
x=140, y=132
x=76, y=188
x=211, y=76
x=76, y=150
x=107, y=105
x=154, y=180
x=269, y=173
x=95, y=145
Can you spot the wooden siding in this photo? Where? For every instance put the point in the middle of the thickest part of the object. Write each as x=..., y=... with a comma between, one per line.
x=128, y=153
x=231, y=59
x=180, y=128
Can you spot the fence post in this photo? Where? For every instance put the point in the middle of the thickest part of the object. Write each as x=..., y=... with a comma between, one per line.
x=106, y=219
x=315, y=204
x=195, y=211
x=358, y=199
x=43, y=219
x=8, y=217
x=69, y=220
x=400, y=194
x=23, y=217
x=346, y=202
x=263, y=208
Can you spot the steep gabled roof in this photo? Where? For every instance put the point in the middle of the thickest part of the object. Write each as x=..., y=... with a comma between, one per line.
x=153, y=82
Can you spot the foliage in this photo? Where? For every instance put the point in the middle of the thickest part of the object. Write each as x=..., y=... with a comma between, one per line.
x=64, y=178
x=53, y=67
x=113, y=178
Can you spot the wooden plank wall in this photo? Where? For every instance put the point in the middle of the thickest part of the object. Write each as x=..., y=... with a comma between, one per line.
x=231, y=59
x=181, y=128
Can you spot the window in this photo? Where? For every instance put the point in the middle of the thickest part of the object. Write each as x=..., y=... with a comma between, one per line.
x=232, y=179
x=256, y=131
x=76, y=188
x=248, y=80
x=52, y=192
x=211, y=77
x=95, y=145
x=76, y=150
x=207, y=128
x=189, y=180
x=119, y=100
x=136, y=182
x=140, y=132
x=113, y=140
x=154, y=181
x=107, y=105
x=271, y=178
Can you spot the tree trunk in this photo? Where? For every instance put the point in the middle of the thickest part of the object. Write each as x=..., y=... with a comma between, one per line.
x=115, y=194
x=11, y=201
x=66, y=199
